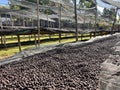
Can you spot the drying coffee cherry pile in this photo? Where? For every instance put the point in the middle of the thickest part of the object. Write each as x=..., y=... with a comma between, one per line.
x=66, y=68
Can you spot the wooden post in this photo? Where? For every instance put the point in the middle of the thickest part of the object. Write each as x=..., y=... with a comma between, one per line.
x=90, y=27
x=59, y=37
x=1, y=39
x=11, y=18
x=1, y=22
x=49, y=36
x=44, y=23
x=47, y=20
x=29, y=37
x=1, y=25
x=6, y=19
x=113, y=25
x=35, y=40
x=90, y=35
x=32, y=22
x=4, y=40
x=96, y=20
x=89, y=23
x=27, y=22
x=75, y=10
x=50, y=24
x=59, y=14
x=19, y=44
x=84, y=21
x=95, y=17
x=23, y=22
x=38, y=24
x=19, y=21
x=81, y=37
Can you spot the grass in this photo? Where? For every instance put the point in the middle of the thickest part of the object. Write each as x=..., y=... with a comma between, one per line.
x=7, y=52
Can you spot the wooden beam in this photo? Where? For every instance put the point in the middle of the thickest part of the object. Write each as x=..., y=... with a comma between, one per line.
x=96, y=20
x=59, y=37
x=1, y=28
x=11, y=18
x=35, y=40
x=96, y=15
x=23, y=22
x=90, y=35
x=81, y=37
x=4, y=40
x=76, y=28
x=59, y=14
x=19, y=43
x=1, y=39
x=49, y=36
x=38, y=23
x=113, y=25
x=19, y=20
x=32, y=22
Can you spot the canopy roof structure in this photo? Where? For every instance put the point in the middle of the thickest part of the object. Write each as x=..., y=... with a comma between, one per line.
x=113, y=2
x=52, y=17
x=85, y=15
x=30, y=12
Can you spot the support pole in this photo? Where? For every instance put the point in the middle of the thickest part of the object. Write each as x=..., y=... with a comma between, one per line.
x=59, y=22
x=19, y=20
x=47, y=20
x=32, y=22
x=23, y=22
x=29, y=36
x=6, y=19
x=75, y=10
x=1, y=25
x=113, y=25
x=49, y=36
x=19, y=44
x=90, y=27
x=38, y=23
x=27, y=22
x=90, y=35
x=35, y=40
x=84, y=21
x=11, y=18
x=4, y=40
x=96, y=19
x=81, y=37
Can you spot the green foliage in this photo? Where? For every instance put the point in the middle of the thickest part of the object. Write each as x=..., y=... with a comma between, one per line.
x=15, y=7
x=109, y=13
x=48, y=11
x=86, y=3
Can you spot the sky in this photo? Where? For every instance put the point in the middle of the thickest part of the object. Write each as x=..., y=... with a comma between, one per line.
x=3, y=2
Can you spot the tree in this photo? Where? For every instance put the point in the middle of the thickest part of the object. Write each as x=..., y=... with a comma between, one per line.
x=109, y=13
x=86, y=3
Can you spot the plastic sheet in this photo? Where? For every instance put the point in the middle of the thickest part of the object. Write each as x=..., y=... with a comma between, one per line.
x=30, y=52
x=112, y=2
x=110, y=75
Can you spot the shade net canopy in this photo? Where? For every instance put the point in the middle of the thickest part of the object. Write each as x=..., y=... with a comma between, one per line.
x=113, y=2
x=62, y=10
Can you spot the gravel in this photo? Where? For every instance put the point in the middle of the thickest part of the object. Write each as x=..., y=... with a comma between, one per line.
x=65, y=68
